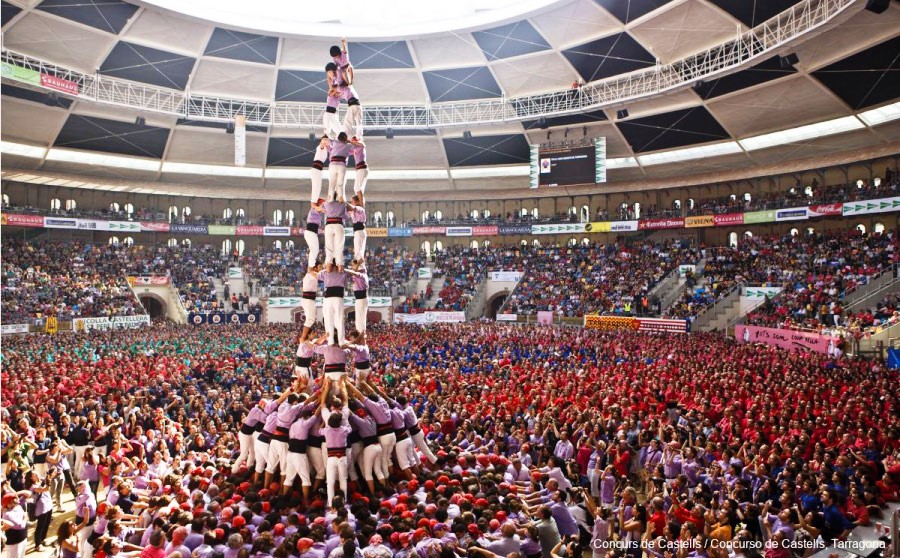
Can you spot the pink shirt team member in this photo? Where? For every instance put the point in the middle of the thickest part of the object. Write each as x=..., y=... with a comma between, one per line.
x=336, y=432
x=339, y=78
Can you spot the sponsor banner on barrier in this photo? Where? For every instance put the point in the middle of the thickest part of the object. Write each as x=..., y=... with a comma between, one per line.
x=18, y=73
x=881, y=205
x=183, y=228
x=651, y=224
x=148, y=280
x=545, y=317
x=505, y=275
x=786, y=339
x=58, y=223
x=425, y=273
x=825, y=210
x=147, y=226
x=792, y=214
x=225, y=230
x=726, y=219
x=699, y=221
x=105, y=323
x=485, y=230
x=276, y=231
x=623, y=226
x=235, y=273
x=429, y=230
x=14, y=328
x=124, y=226
x=514, y=229
x=766, y=216
x=249, y=230
x=459, y=231
x=16, y=220
x=297, y=231
x=60, y=84
x=662, y=325
x=221, y=318
x=400, y=231
x=377, y=232
x=598, y=227
x=507, y=317
x=685, y=268
x=430, y=318
x=349, y=302
x=561, y=228
x=760, y=292
x=93, y=225
x=612, y=323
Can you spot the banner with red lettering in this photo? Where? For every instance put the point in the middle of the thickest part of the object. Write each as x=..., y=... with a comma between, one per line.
x=148, y=226
x=727, y=219
x=786, y=338
x=250, y=230
x=60, y=84
x=486, y=230
x=17, y=220
x=825, y=210
x=650, y=224
x=429, y=230
x=148, y=280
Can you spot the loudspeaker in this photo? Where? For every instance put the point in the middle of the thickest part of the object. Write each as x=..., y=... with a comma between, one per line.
x=389, y=133
x=622, y=114
x=877, y=6
x=140, y=121
x=788, y=61
x=467, y=135
x=312, y=136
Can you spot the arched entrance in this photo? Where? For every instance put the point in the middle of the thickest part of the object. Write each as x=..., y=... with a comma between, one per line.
x=154, y=305
x=494, y=303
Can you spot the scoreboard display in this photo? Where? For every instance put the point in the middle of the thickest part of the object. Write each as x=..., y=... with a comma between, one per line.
x=567, y=165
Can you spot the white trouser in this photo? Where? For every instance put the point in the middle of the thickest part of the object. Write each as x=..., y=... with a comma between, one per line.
x=333, y=312
x=362, y=374
x=78, y=468
x=312, y=241
x=336, y=172
x=353, y=123
x=309, y=310
x=277, y=456
x=419, y=440
x=316, y=461
x=86, y=549
x=404, y=448
x=303, y=373
x=331, y=123
x=297, y=465
x=336, y=472
x=41, y=469
x=359, y=244
x=373, y=463
x=262, y=454
x=315, y=175
x=247, y=453
x=387, y=441
x=17, y=550
x=359, y=183
x=356, y=451
x=361, y=308
x=594, y=479
x=334, y=244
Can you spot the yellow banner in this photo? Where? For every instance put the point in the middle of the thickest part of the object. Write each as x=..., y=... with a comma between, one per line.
x=699, y=221
x=598, y=227
x=51, y=326
x=611, y=323
x=3, y=219
x=377, y=232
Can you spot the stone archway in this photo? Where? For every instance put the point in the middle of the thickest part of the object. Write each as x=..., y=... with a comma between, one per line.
x=494, y=303
x=155, y=305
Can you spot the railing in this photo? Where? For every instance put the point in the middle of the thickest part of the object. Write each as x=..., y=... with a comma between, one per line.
x=746, y=47
x=710, y=313
x=860, y=294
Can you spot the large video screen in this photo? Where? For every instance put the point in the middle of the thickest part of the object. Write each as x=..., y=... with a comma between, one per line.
x=566, y=165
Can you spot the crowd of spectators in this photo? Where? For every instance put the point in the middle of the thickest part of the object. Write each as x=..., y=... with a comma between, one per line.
x=550, y=442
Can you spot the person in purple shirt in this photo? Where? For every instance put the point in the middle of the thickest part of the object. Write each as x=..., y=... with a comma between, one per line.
x=86, y=514
x=335, y=212
x=370, y=459
x=264, y=430
x=378, y=407
x=303, y=363
x=333, y=303
x=415, y=432
x=247, y=435
x=285, y=415
x=360, y=279
x=314, y=221
x=336, y=416
x=361, y=364
x=297, y=459
x=15, y=525
x=337, y=166
x=318, y=166
x=335, y=361
x=358, y=218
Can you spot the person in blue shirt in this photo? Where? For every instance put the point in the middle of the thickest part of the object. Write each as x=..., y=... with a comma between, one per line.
x=837, y=526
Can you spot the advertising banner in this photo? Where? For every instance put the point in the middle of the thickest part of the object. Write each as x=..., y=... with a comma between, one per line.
x=221, y=318
x=424, y=273
x=652, y=224
x=401, y=232
x=514, y=229
x=430, y=318
x=429, y=230
x=598, y=227
x=759, y=217
x=59, y=84
x=545, y=317
x=9, y=329
x=685, y=268
x=147, y=226
x=225, y=230
x=249, y=230
x=485, y=230
x=793, y=214
x=58, y=223
x=507, y=317
x=377, y=232
x=786, y=338
x=93, y=225
x=105, y=323
x=16, y=220
x=276, y=231
x=613, y=323
x=760, y=292
x=505, y=275
x=182, y=228
x=562, y=228
x=459, y=231
x=727, y=219
x=882, y=205
x=623, y=226
x=24, y=75
x=825, y=210
x=235, y=273
x=148, y=280
x=125, y=226
x=699, y=221
x=349, y=302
